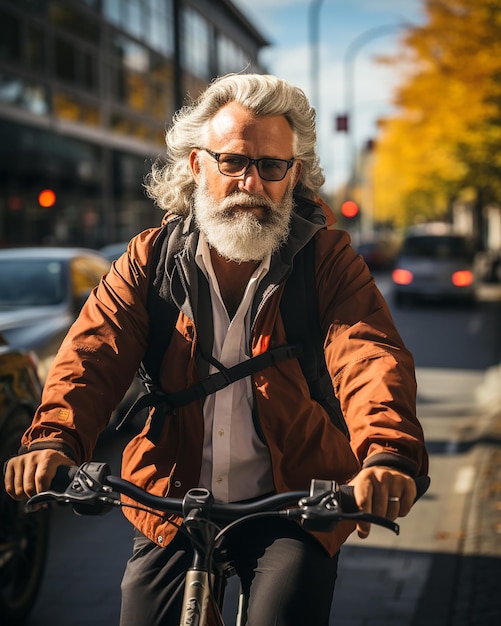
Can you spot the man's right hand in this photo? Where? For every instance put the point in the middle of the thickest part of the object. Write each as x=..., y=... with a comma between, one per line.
x=31, y=473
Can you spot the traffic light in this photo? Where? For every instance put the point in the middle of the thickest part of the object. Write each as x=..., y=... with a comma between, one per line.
x=349, y=209
x=47, y=198
x=342, y=123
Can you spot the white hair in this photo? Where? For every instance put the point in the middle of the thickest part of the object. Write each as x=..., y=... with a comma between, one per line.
x=170, y=183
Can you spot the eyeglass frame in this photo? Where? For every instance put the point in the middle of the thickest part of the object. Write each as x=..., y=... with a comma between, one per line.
x=217, y=155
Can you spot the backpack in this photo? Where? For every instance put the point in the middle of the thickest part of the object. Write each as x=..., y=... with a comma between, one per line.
x=302, y=327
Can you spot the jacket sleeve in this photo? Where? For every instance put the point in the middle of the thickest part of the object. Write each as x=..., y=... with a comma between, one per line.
x=97, y=360
x=372, y=370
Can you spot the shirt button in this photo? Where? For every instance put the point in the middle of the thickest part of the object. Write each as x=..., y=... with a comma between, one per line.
x=219, y=480
x=220, y=432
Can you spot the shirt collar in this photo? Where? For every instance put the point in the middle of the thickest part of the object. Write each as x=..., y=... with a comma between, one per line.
x=203, y=260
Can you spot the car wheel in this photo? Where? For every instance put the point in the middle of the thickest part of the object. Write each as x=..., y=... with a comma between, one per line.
x=23, y=539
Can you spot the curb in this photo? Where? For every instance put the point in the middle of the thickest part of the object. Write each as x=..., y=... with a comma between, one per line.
x=477, y=599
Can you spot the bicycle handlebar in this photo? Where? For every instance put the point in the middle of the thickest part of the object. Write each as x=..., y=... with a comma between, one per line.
x=92, y=490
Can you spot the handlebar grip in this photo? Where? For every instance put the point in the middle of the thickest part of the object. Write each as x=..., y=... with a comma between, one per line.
x=347, y=499
x=63, y=477
x=422, y=484
x=347, y=494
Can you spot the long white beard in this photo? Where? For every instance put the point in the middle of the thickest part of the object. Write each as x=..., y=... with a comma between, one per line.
x=239, y=235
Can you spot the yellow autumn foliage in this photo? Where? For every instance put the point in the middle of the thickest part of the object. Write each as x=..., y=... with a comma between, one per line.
x=446, y=134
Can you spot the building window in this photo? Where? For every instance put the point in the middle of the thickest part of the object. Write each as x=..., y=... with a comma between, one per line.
x=131, y=54
x=34, y=49
x=76, y=22
x=70, y=108
x=125, y=125
x=161, y=27
x=75, y=65
x=65, y=60
x=130, y=88
x=231, y=58
x=112, y=11
x=10, y=37
x=196, y=44
x=21, y=42
x=26, y=94
x=162, y=96
x=149, y=21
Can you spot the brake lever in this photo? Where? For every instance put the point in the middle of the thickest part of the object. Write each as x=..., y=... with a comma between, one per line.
x=44, y=497
x=326, y=513
x=85, y=492
x=328, y=504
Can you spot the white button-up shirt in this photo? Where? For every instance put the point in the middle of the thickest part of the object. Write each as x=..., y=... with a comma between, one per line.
x=235, y=462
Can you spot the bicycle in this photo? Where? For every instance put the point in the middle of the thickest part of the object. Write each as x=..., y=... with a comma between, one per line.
x=91, y=489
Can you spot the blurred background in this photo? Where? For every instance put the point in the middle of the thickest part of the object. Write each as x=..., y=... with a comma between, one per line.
x=408, y=101
x=407, y=96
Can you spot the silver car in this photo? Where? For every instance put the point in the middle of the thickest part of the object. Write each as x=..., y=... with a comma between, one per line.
x=434, y=267
x=41, y=293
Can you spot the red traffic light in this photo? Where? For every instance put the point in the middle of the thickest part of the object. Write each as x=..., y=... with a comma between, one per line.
x=47, y=198
x=342, y=123
x=349, y=209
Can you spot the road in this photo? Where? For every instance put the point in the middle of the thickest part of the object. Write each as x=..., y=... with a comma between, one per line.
x=453, y=348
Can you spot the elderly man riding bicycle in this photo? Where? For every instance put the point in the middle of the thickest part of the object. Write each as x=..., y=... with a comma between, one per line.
x=239, y=185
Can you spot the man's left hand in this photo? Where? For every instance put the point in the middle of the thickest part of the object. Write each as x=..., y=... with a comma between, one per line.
x=383, y=491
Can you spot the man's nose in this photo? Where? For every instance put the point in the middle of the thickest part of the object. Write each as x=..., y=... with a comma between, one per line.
x=250, y=179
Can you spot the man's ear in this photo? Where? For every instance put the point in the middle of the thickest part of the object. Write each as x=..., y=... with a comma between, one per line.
x=298, y=166
x=195, y=165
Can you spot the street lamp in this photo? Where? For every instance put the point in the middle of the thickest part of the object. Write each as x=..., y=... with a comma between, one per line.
x=314, y=22
x=349, y=93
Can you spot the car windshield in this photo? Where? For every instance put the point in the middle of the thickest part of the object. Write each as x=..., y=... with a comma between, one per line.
x=447, y=247
x=31, y=283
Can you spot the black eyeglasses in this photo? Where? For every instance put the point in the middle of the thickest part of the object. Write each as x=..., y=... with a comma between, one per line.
x=236, y=165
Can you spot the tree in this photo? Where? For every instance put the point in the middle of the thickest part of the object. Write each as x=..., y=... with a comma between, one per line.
x=445, y=140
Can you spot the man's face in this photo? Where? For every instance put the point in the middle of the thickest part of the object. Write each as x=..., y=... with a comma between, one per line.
x=244, y=217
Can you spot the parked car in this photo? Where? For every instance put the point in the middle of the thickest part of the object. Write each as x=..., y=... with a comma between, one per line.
x=23, y=537
x=41, y=293
x=378, y=255
x=434, y=266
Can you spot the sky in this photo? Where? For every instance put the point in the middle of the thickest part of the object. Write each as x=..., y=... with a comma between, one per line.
x=351, y=34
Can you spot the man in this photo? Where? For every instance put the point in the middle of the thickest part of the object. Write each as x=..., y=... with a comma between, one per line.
x=241, y=166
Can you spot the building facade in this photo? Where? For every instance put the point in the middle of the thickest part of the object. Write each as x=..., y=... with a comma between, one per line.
x=87, y=88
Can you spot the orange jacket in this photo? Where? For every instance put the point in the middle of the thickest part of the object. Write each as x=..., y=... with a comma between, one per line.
x=372, y=372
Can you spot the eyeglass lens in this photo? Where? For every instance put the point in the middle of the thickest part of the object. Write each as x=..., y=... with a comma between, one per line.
x=236, y=165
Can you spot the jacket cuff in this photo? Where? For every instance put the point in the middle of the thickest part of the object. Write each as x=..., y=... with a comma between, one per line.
x=386, y=459
x=59, y=446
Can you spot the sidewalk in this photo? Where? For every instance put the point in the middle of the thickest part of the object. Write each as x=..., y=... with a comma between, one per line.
x=478, y=595
x=474, y=575
x=455, y=583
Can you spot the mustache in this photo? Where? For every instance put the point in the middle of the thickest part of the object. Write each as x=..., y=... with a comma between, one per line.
x=241, y=199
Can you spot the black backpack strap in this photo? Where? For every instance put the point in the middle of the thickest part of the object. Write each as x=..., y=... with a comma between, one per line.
x=299, y=310
x=162, y=311
x=213, y=382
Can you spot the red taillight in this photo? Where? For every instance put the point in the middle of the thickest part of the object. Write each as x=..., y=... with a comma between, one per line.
x=402, y=277
x=462, y=278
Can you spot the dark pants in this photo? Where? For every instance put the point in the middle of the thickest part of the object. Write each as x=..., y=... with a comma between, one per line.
x=285, y=573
